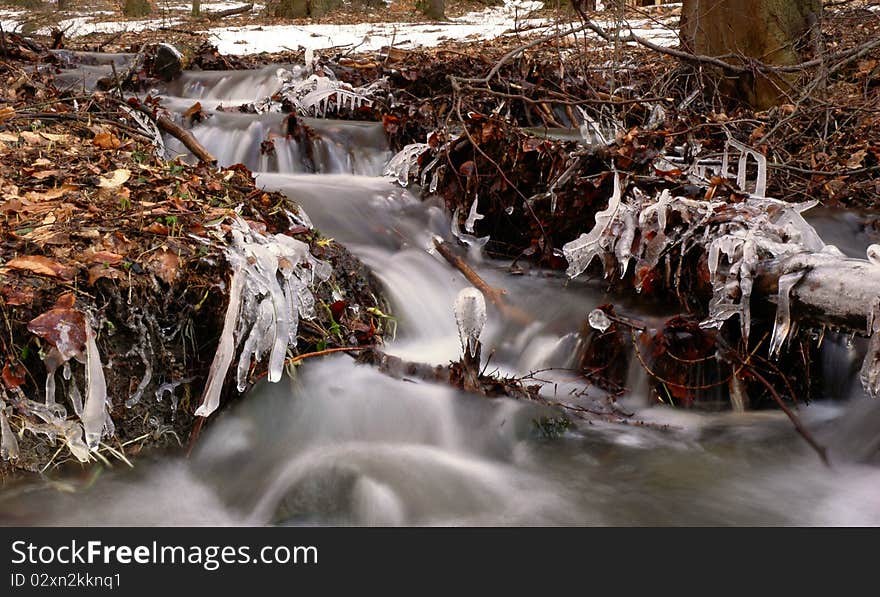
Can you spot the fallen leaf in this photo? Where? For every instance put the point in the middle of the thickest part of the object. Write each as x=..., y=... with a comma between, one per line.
x=16, y=294
x=117, y=178
x=6, y=113
x=13, y=375
x=42, y=174
x=165, y=265
x=62, y=326
x=156, y=228
x=106, y=140
x=51, y=193
x=96, y=272
x=855, y=160
x=38, y=264
x=103, y=258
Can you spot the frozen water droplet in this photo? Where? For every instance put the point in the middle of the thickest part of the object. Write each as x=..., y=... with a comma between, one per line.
x=599, y=320
x=470, y=315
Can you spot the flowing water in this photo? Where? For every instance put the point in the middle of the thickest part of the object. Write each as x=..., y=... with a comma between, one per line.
x=341, y=443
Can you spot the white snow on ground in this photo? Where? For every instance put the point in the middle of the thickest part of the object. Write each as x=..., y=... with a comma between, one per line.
x=10, y=19
x=78, y=26
x=484, y=24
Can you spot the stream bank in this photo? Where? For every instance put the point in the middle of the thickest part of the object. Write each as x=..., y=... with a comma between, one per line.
x=106, y=240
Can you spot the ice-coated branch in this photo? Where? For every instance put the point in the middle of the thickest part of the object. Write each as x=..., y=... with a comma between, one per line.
x=758, y=249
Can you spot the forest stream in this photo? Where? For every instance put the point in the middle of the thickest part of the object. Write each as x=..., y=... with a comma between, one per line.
x=344, y=444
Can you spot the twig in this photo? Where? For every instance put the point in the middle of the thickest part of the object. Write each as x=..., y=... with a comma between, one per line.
x=494, y=295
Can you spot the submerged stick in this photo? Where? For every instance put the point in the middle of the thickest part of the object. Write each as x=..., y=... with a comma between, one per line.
x=495, y=295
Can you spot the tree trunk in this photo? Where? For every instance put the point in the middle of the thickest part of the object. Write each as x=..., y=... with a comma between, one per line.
x=196, y=8
x=433, y=9
x=137, y=8
x=771, y=31
x=297, y=9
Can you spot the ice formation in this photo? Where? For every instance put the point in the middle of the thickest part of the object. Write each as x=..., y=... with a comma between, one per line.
x=470, y=315
x=96, y=416
x=473, y=216
x=270, y=292
x=598, y=320
x=8, y=443
x=736, y=237
x=70, y=336
x=405, y=162
x=320, y=95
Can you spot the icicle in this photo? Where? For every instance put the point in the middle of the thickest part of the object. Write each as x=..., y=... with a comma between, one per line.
x=404, y=162
x=75, y=398
x=260, y=332
x=96, y=406
x=265, y=307
x=870, y=372
x=72, y=434
x=225, y=349
x=8, y=443
x=473, y=216
x=470, y=315
x=782, y=326
x=168, y=388
x=580, y=252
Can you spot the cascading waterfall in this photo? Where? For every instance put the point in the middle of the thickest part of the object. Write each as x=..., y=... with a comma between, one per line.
x=342, y=443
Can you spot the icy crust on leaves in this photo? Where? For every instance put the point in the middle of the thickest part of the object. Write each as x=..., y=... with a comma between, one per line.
x=737, y=238
x=270, y=292
x=70, y=337
x=318, y=94
x=470, y=315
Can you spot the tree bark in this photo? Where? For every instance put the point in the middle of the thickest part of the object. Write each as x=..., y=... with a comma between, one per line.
x=296, y=9
x=770, y=31
x=433, y=9
x=137, y=8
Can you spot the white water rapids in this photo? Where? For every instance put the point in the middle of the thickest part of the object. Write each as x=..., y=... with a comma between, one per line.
x=344, y=444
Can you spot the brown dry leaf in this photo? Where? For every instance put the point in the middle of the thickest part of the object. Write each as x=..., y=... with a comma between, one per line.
x=42, y=174
x=51, y=194
x=55, y=138
x=117, y=178
x=107, y=140
x=47, y=235
x=157, y=228
x=165, y=264
x=63, y=327
x=865, y=67
x=17, y=294
x=103, y=258
x=193, y=110
x=13, y=375
x=44, y=266
x=6, y=113
x=9, y=137
x=96, y=272
x=855, y=160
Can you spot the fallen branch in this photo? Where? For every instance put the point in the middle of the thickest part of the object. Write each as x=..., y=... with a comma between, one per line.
x=181, y=134
x=237, y=10
x=495, y=295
